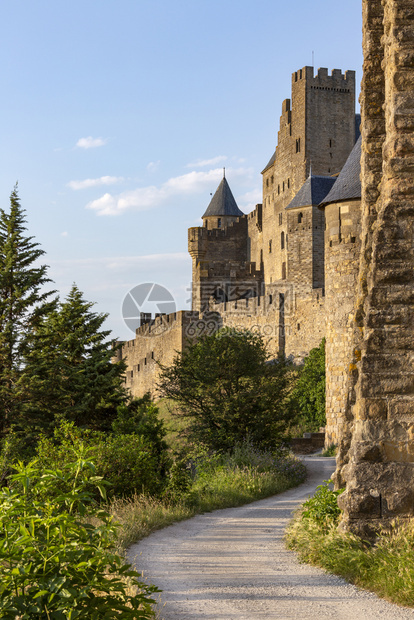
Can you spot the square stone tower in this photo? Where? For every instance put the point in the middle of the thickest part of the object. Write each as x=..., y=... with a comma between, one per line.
x=316, y=134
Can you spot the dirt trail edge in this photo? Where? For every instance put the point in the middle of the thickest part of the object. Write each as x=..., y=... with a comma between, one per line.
x=232, y=565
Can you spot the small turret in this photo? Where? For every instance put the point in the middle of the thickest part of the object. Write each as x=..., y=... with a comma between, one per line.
x=222, y=209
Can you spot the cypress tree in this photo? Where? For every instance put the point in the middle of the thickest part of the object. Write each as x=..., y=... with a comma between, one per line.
x=23, y=303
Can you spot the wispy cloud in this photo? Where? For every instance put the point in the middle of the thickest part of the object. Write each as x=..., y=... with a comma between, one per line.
x=153, y=166
x=203, y=163
x=106, y=180
x=64, y=234
x=249, y=200
x=91, y=143
x=144, y=198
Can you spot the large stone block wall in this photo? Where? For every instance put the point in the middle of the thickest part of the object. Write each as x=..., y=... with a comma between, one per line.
x=342, y=249
x=379, y=472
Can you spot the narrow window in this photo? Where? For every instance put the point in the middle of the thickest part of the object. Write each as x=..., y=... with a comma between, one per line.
x=300, y=217
x=219, y=222
x=330, y=144
x=282, y=240
x=288, y=183
x=283, y=271
x=283, y=186
x=267, y=182
x=280, y=219
x=270, y=299
x=270, y=246
x=272, y=179
x=278, y=189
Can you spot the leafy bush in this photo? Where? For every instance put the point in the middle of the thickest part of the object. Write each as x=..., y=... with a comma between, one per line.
x=224, y=387
x=130, y=463
x=53, y=562
x=307, y=397
x=323, y=506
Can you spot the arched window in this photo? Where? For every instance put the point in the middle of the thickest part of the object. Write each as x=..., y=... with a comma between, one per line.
x=300, y=217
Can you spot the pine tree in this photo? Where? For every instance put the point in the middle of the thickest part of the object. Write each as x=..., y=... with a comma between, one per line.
x=69, y=372
x=23, y=303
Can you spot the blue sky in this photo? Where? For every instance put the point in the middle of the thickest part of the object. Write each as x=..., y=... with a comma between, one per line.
x=118, y=117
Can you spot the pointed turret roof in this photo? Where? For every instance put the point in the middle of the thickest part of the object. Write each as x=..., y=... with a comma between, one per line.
x=348, y=183
x=223, y=202
x=312, y=192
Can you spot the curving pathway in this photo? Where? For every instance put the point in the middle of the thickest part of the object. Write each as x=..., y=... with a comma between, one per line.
x=232, y=565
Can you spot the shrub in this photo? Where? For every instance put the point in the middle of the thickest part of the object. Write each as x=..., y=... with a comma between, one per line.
x=53, y=562
x=307, y=398
x=224, y=387
x=323, y=506
x=130, y=463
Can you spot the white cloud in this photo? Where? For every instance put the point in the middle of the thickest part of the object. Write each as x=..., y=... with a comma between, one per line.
x=144, y=198
x=91, y=143
x=153, y=166
x=248, y=201
x=106, y=180
x=64, y=234
x=202, y=163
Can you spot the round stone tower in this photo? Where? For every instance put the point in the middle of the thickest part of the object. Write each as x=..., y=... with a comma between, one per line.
x=342, y=208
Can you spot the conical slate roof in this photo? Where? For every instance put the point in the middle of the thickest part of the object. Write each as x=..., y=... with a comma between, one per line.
x=348, y=183
x=312, y=192
x=223, y=202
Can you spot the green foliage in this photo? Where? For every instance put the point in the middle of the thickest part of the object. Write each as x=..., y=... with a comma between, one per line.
x=53, y=562
x=323, y=506
x=386, y=568
x=140, y=416
x=68, y=370
x=204, y=482
x=23, y=303
x=331, y=451
x=228, y=392
x=307, y=398
x=130, y=463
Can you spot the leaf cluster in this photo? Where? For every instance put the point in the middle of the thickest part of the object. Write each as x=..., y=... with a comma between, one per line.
x=225, y=387
x=55, y=561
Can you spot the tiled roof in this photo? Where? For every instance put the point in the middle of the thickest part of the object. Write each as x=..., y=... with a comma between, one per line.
x=312, y=192
x=348, y=183
x=270, y=162
x=223, y=202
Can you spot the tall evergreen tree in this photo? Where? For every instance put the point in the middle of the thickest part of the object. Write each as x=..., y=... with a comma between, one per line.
x=23, y=303
x=69, y=372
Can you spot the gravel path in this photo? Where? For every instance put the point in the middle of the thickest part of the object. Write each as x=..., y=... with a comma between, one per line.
x=232, y=565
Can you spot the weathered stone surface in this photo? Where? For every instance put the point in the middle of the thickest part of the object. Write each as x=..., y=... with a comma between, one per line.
x=380, y=458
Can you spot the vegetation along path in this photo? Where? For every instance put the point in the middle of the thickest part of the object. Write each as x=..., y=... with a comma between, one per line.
x=232, y=564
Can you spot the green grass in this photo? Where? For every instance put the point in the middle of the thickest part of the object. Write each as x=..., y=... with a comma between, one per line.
x=386, y=568
x=175, y=425
x=220, y=483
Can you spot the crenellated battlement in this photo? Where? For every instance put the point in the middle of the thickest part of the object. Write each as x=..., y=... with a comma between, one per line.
x=322, y=80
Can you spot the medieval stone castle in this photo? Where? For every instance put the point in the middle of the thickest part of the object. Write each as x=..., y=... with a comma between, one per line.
x=329, y=252
x=287, y=269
